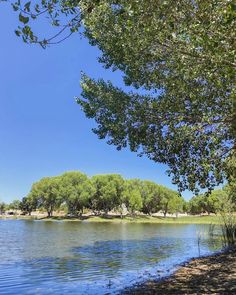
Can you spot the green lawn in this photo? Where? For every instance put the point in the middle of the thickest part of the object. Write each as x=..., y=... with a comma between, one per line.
x=138, y=219
x=148, y=219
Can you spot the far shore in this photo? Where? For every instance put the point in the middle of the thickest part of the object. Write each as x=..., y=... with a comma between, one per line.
x=215, y=274
x=190, y=219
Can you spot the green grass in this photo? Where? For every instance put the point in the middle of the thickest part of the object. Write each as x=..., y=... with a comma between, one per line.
x=138, y=219
x=148, y=219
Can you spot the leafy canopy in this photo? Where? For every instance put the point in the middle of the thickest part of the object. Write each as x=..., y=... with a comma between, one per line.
x=46, y=192
x=75, y=190
x=184, y=58
x=182, y=53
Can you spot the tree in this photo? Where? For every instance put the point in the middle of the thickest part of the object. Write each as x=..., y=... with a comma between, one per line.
x=132, y=195
x=75, y=190
x=182, y=54
x=176, y=204
x=151, y=197
x=3, y=207
x=195, y=205
x=47, y=193
x=166, y=196
x=108, y=192
x=179, y=55
x=212, y=203
x=230, y=188
x=28, y=204
x=14, y=205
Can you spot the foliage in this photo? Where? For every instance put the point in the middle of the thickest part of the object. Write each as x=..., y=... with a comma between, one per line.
x=75, y=190
x=28, y=204
x=182, y=57
x=108, y=192
x=166, y=204
x=213, y=203
x=176, y=204
x=151, y=197
x=133, y=195
x=14, y=205
x=229, y=222
x=3, y=207
x=47, y=193
x=231, y=170
x=100, y=194
x=194, y=205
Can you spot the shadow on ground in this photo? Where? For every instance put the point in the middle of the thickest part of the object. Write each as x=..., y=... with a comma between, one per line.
x=207, y=275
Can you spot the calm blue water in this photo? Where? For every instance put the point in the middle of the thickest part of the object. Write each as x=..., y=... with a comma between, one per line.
x=50, y=257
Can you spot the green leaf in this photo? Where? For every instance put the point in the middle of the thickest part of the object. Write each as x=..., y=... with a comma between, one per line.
x=15, y=7
x=27, y=6
x=23, y=19
x=18, y=33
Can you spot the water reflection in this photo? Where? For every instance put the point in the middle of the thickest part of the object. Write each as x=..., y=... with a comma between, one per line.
x=90, y=258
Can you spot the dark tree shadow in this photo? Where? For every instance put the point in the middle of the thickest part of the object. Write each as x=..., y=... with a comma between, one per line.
x=207, y=275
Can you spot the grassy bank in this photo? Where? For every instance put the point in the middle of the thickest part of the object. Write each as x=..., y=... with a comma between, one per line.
x=149, y=219
x=138, y=219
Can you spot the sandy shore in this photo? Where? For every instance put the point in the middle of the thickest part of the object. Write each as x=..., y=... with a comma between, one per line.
x=207, y=275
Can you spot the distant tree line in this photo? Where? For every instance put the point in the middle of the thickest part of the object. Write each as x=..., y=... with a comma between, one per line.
x=74, y=192
x=213, y=203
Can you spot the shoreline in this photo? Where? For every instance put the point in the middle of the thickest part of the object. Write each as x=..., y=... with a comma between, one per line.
x=213, y=274
x=116, y=219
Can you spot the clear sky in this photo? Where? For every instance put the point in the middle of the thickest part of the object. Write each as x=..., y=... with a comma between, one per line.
x=43, y=132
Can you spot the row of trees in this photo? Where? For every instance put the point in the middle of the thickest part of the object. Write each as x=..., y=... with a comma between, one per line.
x=213, y=203
x=100, y=194
x=14, y=205
x=74, y=192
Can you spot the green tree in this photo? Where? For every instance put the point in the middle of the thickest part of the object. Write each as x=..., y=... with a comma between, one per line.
x=166, y=196
x=195, y=205
x=14, y=205
x=75, y=190
x=3, y=207
x=132, y=197
x=186, y=119
x=108, y=192
x=176, y=204
x=208, y=203
x=151, y=197
x=47, y=193
x=213, y=202
x=28, y=204
x=182, y=53
x=230, y=188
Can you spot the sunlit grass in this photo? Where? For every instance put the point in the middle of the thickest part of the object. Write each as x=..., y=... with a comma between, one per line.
x=149, y=219
x=212, y=219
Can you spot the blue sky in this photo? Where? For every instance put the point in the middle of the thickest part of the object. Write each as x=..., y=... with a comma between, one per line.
x=43, y=132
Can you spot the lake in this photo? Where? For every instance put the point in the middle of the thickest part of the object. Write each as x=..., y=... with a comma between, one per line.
x=56, y=257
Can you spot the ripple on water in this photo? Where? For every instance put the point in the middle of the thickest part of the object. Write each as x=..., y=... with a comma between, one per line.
x=71, y=258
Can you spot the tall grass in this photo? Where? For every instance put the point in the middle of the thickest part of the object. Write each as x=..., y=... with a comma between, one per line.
x=229, y=229
x=228, y=225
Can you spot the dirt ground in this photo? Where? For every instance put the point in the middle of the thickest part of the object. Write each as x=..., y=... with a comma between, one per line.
x=207, y=275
